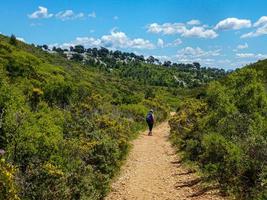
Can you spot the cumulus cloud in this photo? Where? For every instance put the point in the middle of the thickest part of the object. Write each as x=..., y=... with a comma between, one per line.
x=251, y=55
x=261, y=21
x=200, y=32
x=64, y=15
x=21, y=39
x=261, y=25
x=162, y=44
x=258, y=32
x=88, y=41
x=42, y=12
x=233, y=24
x=245, y=55
x=180, y=28
x=166, y=28
x=194, y=22
x=68, y=15
x=85, y=41
x=116, y=39
x=190, y=52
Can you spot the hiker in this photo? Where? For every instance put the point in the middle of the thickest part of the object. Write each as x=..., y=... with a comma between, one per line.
x=150, y=121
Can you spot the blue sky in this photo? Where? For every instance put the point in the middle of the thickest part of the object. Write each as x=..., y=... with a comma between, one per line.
x=216, y=33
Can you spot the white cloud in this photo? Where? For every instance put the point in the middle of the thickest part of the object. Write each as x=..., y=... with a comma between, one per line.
x=200, y=32
x=85, y=41
x=163, y=58
x=166, y=28
x=115, y=39
x=64, y=15
x=160, y=43
x=261, y=56
x=88, y=41
x=190, y=54
x=115, y=17
x=180, y=28
x=21, y=39
x=251, y=55
x=68, y=15
x=245, y=55
x=259, y=31
x=119, y=39
x=194, y=22
x=93, y=14
x=233, y=24
x=242, y=46
x=42, y=12
x=261, y=25
x=261, y=21
x=193, y=53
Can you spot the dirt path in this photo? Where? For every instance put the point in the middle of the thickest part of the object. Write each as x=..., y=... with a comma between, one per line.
x=153, y=171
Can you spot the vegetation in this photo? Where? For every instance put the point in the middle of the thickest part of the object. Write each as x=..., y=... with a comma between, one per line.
x=66, y=122
x=224, y=131
x=146, y=70
x=64, y=127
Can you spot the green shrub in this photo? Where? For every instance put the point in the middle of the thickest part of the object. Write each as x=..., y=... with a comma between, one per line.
x=65, y=127
x=225, y=134
x=8, y=187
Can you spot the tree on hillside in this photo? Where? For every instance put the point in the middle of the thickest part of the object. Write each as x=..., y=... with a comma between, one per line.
x=150, y=60
x=45, y=46
x=77, y=57
x=79, y=49
x=103, y=52
x=197, y=65
x=13, y=40
x=167, y=63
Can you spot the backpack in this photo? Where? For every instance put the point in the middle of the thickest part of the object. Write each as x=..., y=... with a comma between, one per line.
x=149, y=118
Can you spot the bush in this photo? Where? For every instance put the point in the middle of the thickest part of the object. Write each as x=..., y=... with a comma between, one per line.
x=226, y=134
x=65, y=129
x=8, y=187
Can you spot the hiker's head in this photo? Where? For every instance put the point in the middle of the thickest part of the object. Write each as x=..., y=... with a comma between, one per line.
x=151, y=111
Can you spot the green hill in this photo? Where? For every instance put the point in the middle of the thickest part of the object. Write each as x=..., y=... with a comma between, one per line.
x=65, y=127
x=65, y=124
x=261, y=66
x=224, y=132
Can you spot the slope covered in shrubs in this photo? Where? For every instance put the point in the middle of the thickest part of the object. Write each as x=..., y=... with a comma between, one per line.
x=225, y=133
x=65, y=127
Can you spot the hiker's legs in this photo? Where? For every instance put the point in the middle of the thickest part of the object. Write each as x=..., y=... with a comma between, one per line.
x=150, y=125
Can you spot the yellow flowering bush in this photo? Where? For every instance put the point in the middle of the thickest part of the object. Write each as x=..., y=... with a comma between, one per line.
x=8, y=189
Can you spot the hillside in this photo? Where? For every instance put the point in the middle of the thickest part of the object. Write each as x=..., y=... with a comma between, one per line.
x=261, y=66
x=224, y=131
x=66, y=124
x=65, y=127
x=148, y=70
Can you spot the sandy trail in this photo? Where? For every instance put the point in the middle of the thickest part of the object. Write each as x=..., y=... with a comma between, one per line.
x=153, y=171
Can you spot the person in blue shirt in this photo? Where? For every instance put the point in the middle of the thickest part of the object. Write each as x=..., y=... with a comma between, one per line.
x=150, y=121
